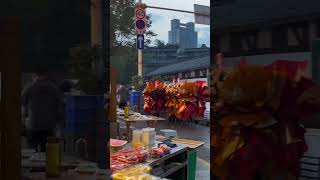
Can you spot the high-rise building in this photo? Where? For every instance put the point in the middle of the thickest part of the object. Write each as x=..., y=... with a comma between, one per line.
x=183, y=35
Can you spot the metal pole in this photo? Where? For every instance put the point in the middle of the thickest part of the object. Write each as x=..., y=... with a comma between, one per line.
x=140, y=58
x=140, y=63
x=177, y=10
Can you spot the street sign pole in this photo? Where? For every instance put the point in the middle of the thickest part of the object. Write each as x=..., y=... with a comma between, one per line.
x=140, y=23
x=140, y=63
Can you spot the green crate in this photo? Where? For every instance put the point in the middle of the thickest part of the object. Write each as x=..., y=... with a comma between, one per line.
x=192, y=164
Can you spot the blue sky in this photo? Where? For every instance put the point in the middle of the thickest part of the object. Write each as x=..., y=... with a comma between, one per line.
x=161, y=18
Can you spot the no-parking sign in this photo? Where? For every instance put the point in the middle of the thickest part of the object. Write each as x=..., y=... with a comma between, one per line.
x=140, y=19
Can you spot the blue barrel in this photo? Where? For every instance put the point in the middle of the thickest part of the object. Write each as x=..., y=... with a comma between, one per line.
x=82, y=113
x=136, y=100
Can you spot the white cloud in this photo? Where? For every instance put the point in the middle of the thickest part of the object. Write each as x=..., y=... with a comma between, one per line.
x=161, y=18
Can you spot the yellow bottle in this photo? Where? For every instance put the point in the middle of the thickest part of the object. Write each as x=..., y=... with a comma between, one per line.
x=126, y=111
x=53, y=157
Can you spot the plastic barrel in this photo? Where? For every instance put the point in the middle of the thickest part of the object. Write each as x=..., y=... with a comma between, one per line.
x=136, y=100
x=82, y=114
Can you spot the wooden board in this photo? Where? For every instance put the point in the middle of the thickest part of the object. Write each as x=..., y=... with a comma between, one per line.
x=133, y=119
x=190, y=143
x=113, y=97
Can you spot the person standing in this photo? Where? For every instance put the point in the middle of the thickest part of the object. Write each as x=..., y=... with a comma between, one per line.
x=123, y=96
x=43, y=110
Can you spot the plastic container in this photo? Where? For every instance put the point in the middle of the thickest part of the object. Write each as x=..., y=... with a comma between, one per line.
x=137, y=138
x=84, y=102
x=80, y=129
x=149, y=137
x=82, y=113
x=136, y=100
x=136, y=135
x=83, y=109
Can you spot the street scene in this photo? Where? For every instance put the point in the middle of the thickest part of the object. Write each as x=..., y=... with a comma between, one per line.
x=159, y=89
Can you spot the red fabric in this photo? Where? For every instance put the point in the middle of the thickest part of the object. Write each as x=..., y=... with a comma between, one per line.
x=261, y=148
x=289, y=115
x=242, y=63
x=289, y=67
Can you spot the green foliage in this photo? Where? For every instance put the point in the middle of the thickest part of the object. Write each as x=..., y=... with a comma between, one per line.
x=83, y=59
x=161, y=44
x=137, y=83
x=125, y=65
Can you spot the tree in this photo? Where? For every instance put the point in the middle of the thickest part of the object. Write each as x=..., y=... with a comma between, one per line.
x=122, y=24
x=161, y=44
x=84, y=58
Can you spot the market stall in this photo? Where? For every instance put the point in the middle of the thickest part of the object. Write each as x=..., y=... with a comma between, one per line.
x=164, y=162
x=171, y=158
x=145, y=152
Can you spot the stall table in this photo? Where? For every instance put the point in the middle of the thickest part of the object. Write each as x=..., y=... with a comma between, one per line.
x=64, y=176
x=151, y=120
x=192, y=154
x=120, y=112
x=170, y=166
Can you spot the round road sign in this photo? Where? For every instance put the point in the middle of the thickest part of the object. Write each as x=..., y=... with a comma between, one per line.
x=140, y=24
x=140, y=14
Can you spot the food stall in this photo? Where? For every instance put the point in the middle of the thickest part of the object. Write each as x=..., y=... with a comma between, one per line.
x=144, y=154
x=163, y=162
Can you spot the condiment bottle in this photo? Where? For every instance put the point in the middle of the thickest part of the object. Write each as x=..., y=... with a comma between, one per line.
x=53, y=157
x=126, y=110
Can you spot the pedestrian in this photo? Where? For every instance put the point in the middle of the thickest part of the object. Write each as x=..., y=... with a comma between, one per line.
x=123, y=96
x=43, y=108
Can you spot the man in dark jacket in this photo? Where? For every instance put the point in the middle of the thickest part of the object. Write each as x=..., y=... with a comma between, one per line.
x=123, y=96
x=43, y=109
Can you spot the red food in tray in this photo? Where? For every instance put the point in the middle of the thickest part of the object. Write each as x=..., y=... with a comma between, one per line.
x=130, y=159
x=126, y=158
x=157, y=152
x=166, y=149
x=142, y=156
